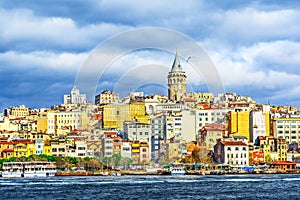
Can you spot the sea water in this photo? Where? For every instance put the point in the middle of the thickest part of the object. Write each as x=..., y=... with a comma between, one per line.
x=272, y=186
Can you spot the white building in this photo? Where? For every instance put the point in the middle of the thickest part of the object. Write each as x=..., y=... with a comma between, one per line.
x=231, y=153
x=211, y=116
x=288, y=129
x=173, y=125
x=39, y=145
x=258, y=125
x=136, y=131
x=188, y=128
x=58, y=122
x=75, y=97
x=126, y=149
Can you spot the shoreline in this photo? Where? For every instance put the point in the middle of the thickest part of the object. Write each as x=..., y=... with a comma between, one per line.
x=165, y=173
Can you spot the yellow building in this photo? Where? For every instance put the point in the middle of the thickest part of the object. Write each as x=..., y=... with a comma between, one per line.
x=24, y=148
x=135, y=152
x=282, y=148
x=42, y=122
x=20, y=111
x=115, y=115
x=62, y=122
x=273, y=149
x=59, y=147
x=6, y=149
x=239, y=123
x=47, y=150
x=268, y=123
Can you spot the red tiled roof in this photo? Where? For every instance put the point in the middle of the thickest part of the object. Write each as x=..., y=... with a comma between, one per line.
x=188, y=99
x=8, y=150
x=22, y=142
x=282, y=162
x=110, y=133
x=233, y=143
x=4, y=138
x=262, y=138
x=5, y=143
x=18, y=118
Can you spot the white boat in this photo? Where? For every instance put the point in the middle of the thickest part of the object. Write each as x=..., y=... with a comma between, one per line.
x=177, y=170
x=28, y=169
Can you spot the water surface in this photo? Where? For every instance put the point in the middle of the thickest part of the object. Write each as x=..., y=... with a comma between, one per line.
x=276, y=186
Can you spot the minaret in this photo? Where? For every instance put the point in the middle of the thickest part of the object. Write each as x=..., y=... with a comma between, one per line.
x=176, y=81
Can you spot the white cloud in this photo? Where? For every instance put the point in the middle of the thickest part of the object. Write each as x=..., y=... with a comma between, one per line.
x=43, y=60
x=22, y=27
x=251, y=25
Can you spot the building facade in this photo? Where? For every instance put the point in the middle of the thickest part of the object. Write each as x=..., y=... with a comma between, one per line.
x=106, y=97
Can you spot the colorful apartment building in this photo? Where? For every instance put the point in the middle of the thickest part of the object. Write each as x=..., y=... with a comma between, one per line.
x=231, y=153
x=272, y=148
x=209, y=135
x=62, y=122
x=259, y=124
x=59, y=147
x=106, y=97
x=144, y=153
x=239, y=123
x=287, y=128
x=135, y=152
x=111, y=143
x=115, y=115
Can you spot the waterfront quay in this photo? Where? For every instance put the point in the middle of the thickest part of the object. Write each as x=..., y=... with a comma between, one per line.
x=216, y=171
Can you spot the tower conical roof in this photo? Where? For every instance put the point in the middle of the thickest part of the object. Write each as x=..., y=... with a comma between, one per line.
x=176, y=67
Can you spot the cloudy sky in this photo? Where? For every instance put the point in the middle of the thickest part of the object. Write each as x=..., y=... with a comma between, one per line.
x=44, y=45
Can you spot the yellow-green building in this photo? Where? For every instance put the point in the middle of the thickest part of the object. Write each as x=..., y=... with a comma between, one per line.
x=115, y=115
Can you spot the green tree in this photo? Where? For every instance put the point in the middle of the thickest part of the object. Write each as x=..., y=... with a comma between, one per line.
x=126, y=162
x=106, y=161
x=60, y=162
x=116, y=159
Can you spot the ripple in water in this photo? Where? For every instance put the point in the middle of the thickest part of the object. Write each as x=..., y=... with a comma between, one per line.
x=154, y=187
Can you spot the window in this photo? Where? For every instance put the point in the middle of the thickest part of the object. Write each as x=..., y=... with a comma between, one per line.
x=228, y=149
x=126, y=149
